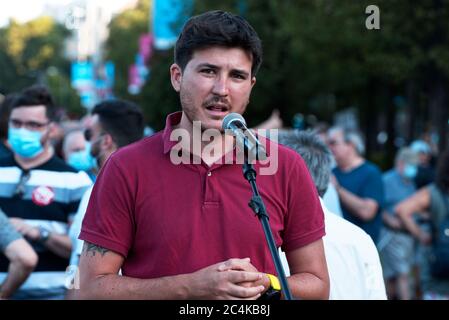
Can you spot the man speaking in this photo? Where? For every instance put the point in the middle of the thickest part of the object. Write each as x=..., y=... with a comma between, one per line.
x=184, y=230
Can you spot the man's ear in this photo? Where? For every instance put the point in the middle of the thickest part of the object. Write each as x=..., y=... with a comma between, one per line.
x=108, y=143
x=55, y=132
x=176, y=76
x=253, y=82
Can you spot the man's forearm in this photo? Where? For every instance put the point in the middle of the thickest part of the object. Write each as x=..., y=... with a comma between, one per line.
x=121, y=287
x=59, y=244
x=364, y=209
x=411, y=226
x=308, y=286
x=17, y=274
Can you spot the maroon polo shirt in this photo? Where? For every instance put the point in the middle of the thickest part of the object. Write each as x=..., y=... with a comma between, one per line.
x=168, y=219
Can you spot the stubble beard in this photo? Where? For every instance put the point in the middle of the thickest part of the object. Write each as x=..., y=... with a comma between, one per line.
x=192, y=112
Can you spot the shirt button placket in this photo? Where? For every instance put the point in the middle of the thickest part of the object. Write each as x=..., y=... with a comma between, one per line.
x=207, y=195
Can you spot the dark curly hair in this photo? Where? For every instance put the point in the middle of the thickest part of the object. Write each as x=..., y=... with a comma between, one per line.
x=442, y=174
x=221, y=29
x=36, y=95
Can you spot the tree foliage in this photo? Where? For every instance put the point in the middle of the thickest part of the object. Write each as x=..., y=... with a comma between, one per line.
x=319, y=58
x=33, y=52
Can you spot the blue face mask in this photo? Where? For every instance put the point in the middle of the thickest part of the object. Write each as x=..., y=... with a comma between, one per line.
x=82, y=160
x=410, y=171
x=25, y=143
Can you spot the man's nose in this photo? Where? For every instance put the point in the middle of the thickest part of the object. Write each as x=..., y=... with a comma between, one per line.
x=221, y=86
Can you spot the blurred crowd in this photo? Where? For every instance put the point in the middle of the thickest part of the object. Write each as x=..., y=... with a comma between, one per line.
x=48, y=166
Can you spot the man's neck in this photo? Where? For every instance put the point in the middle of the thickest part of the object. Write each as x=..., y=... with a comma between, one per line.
x=220, y=147
x=352, y=163
x=29, y=163
x=209, y=151
x=102, y=158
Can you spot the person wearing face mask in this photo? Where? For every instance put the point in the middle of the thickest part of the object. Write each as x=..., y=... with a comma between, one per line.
x=426, y=170
x=77, y=152
x=114, y=124
x=39, y=192
x=431, y=203
x=396, y=246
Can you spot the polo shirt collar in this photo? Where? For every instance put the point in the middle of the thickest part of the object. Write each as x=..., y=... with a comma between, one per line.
x=171, y=122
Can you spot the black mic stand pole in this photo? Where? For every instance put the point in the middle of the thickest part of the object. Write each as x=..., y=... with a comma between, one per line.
x=257, y=205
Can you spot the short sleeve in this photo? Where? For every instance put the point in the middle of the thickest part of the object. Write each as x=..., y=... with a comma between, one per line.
x=109, y=219
x=305, y=217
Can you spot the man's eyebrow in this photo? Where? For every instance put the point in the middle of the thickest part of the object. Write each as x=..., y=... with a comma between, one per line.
x=207, y=65
x=215, y=67
x=240, y=72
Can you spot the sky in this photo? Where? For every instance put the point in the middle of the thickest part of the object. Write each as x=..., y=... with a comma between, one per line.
x=24, y=10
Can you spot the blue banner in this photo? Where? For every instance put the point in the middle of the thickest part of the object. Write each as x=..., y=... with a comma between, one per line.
x=82, y=74
x=169, y=17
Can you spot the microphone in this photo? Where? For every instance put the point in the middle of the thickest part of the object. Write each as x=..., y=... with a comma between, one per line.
x=237, y=124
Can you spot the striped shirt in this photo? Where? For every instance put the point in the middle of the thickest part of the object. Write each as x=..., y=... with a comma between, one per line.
x=43, y=196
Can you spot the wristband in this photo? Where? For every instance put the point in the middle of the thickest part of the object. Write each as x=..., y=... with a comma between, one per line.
x=274, y=291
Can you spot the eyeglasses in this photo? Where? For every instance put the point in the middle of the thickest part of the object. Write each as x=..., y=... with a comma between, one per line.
x=20, y=188
x=30, y=125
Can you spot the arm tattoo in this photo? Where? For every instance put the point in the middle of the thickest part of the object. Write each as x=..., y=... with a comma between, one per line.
x=93, y=248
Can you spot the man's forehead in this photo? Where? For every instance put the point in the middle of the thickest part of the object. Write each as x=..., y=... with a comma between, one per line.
x=219, y=55
x=336, y=134
x=29, y=112
x=75, y=135
x=74, y=139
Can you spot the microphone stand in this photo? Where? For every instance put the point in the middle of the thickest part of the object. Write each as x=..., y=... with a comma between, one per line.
x=257, y=205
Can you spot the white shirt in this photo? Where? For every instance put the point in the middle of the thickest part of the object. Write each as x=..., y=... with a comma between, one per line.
x=75, y=228
x=352, y=259
x=332, y=201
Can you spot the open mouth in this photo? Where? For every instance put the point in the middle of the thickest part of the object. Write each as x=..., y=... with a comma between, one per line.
x=217, y=108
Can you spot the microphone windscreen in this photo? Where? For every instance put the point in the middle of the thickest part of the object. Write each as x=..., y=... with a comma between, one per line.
x=230, y=118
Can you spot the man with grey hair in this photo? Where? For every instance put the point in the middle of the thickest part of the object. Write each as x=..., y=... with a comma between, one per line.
x=358, y=181
x=314, y=152
x=348, y=249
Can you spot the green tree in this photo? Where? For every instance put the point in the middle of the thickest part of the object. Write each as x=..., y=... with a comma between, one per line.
x=33, y=52
x=319, y=58
x=157, y=98
x=122, y=44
